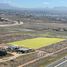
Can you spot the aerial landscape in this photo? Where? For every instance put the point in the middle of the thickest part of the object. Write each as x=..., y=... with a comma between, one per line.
x=33, y=33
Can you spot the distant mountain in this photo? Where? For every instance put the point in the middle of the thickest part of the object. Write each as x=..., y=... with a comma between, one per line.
x=6, y=6
x=56, y=10
x=60, y=8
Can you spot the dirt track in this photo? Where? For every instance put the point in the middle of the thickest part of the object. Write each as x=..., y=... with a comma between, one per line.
x=8, y=25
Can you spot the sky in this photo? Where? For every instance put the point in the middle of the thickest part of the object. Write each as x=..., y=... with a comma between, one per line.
x=36, y=3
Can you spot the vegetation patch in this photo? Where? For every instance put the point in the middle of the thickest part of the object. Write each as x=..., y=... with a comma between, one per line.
x=36, y=42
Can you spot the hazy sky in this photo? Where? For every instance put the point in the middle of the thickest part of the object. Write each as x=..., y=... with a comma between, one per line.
x=36, y=3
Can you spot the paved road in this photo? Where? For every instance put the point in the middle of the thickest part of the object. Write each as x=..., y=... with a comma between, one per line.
x=8, y=25
x=60, y=63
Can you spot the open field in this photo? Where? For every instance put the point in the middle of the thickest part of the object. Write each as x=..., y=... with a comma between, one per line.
x=36, y=43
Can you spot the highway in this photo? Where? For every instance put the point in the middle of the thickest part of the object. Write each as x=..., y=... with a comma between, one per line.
x=62, y=64
x=59, y=63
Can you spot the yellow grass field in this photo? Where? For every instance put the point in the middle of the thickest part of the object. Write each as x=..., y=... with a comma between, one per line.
x=36, y=43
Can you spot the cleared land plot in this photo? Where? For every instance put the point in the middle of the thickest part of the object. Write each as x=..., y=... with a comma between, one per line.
x=36, y=43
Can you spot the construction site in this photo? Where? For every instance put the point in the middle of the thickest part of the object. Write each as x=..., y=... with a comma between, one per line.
x=14, y=56
x=32, y=38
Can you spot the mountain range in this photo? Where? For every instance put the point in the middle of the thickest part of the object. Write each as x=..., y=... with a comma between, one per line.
x=8, y=6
